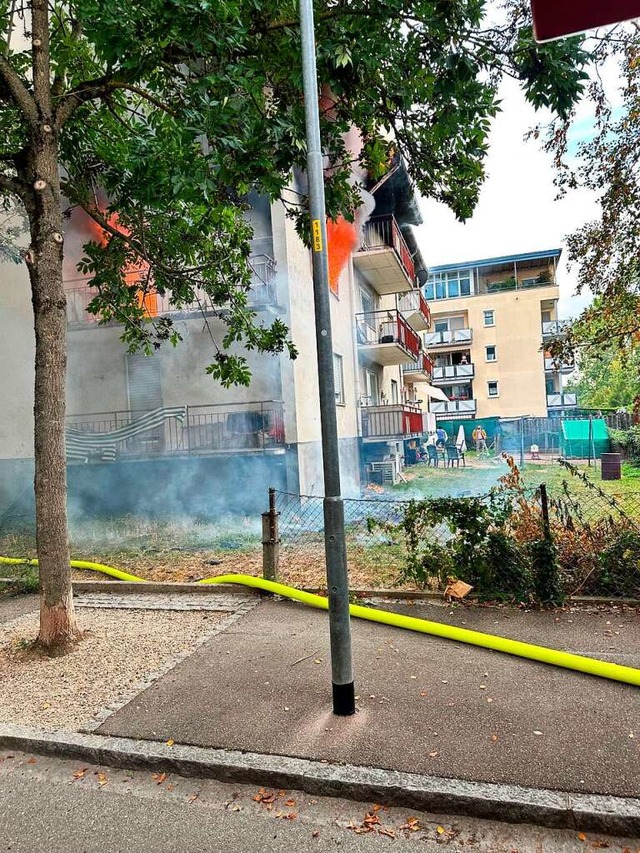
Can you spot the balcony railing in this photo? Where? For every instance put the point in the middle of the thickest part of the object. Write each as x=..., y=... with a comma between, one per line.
x=262, y=294
x=452, y=373
x=384, y=258
x=416, y=310
x=552, y=328
x=421, y=371
x=453, y=408
x=454, y=337
x=179, y=431
x=394, y=421
x=552, y=365
x=559, y=401
x=378, y=331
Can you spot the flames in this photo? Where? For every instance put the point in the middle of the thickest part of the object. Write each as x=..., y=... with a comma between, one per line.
x=85, y=229
x=342, y=239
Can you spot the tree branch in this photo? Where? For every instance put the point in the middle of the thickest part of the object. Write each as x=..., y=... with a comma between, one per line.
x=10, y=185
x=18, y=92
x=99, y=88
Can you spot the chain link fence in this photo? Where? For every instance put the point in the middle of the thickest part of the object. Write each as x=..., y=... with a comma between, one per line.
x=517, y=542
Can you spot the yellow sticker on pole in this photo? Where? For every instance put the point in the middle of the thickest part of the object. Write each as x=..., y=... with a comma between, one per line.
x=316, y=232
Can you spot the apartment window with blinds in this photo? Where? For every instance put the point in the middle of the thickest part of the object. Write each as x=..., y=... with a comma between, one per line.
x=338, y=379
x=144, y=383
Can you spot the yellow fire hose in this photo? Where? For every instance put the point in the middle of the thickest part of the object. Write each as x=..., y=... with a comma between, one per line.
x=567, y=660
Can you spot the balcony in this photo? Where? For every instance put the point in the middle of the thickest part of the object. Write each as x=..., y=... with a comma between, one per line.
x=552, y=365
x=386, y=338
x=255, y=427
x=449, y=339
x=561, y=401
x=452, y=373
x=384, y=258
x=419, y=372
x=415, y=310
x=453, y=409
x=261, y=295
x=393, y=422
x=552, y=329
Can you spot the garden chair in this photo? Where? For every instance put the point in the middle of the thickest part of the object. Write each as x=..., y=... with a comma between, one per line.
x=432, y=453
x=454, y=455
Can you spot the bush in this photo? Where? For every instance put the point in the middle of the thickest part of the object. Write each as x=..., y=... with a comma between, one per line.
x=627, y=442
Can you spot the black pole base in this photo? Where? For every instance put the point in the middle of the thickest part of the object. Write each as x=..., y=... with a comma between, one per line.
x=344, y=700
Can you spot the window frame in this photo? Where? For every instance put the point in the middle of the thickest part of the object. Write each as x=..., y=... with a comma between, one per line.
x=338, y=379
x=495, y=382
x=495, y=353
x=486, y=311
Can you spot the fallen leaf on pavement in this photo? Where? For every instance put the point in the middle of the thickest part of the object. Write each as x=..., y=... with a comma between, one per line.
x=582, y=836
x=79, y=774
x=376, y=807
x=31, y=761
x=159, y=778
x=385, y=830
x=193, y=798
x=412, y=824
x=290, y=803
x=102, y=779
x=170, y=742
x=494, y=738
x=433, y=754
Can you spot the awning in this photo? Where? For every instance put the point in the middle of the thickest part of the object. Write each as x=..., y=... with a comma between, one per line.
x=434, y=393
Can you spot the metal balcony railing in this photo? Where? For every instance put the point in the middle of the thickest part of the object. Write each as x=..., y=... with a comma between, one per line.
x=199, y=430
x=423, y=365
x=453, y=407
x=387, y=327
x=262, y=293
x=448, y=338
x=552, y=365
x=393, y=421
x=454, y=372
x=414, y=302
x=381, y=231
x=552, y=328
x=557, y=401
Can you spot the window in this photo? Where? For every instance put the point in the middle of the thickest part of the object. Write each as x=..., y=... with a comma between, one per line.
x=367, y=301
x=489, y=318
x=144, y=383
x=394, y=392
x=338, y=379
x=490, y=354
x=492, y=389
x=448, y=285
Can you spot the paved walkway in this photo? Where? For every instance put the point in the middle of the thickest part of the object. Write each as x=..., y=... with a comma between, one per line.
x=425, y=705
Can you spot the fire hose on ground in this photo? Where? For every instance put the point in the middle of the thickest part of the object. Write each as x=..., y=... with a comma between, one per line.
x=567, y=660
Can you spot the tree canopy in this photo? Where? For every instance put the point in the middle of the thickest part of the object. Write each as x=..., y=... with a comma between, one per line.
x=174, y=110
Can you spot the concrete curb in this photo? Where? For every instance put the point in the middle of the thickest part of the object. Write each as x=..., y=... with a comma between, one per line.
x=511, y=803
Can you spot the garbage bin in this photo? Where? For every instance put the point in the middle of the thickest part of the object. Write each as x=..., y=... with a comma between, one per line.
x=611, y=466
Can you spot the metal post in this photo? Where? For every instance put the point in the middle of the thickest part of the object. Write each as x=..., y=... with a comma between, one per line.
x=589, y=441
x=335, y=548
x=521, y=442
x=270, y=540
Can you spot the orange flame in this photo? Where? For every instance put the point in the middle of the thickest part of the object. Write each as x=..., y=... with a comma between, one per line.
x=342, y=238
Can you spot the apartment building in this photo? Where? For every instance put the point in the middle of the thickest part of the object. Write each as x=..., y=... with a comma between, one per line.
x=491, y=318
x=156, y=435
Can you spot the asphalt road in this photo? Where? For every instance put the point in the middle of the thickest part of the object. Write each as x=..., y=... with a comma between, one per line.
x=54, y=805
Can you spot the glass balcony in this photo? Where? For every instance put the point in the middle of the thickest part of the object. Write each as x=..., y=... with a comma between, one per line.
x=455, y=337
x=453, y=408
x=561, y=401
x=452, y=373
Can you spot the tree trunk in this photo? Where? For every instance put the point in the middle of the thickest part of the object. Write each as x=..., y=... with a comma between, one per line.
x=44, y=259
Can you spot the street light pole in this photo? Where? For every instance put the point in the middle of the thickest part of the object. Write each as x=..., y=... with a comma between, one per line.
x=334, y=541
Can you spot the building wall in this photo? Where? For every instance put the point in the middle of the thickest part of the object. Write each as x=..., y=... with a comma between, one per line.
x=517, y=336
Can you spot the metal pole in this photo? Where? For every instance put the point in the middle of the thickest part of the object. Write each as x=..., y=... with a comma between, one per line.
x=335, y=548
x=521, y=442
x=589, y=441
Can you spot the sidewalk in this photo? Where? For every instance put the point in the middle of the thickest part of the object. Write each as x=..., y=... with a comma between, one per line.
x=426, y=706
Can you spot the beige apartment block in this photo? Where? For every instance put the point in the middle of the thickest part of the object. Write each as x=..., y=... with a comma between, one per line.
x=490, y=320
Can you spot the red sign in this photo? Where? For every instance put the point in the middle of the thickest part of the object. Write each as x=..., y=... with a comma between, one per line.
x=553, y=19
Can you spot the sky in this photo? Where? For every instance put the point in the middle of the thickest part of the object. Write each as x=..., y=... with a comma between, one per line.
x=518, y=211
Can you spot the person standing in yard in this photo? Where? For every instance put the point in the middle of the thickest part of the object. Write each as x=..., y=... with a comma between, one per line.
x=479, y=436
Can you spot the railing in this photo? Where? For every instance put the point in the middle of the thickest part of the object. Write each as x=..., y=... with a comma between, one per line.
x=553, y=327
x=225, y=427
x=262, y=293
x=454, y=371
x=552, y=365
x=384, y=231
x=387, y=327
x=555, y=401
x=453, y=407
x=423, y=365
x=395, y=420
x=412, y=302
x=456, y=336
